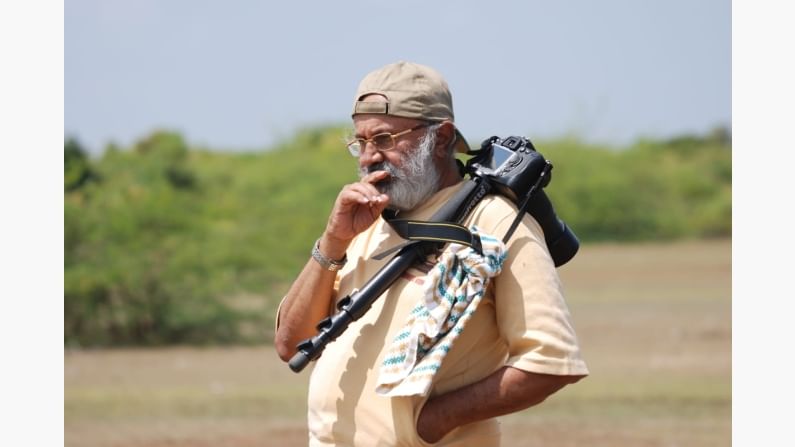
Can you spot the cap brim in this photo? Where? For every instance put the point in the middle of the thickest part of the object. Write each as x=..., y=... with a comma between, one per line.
x=461, y=144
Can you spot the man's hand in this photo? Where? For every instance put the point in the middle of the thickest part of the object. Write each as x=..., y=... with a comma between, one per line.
x=431, y=431
x=358, y=205
x=504, y=391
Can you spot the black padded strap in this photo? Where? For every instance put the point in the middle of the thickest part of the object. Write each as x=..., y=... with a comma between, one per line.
x=418, y=230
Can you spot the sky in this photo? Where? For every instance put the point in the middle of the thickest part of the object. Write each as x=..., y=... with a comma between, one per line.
x=244, y=74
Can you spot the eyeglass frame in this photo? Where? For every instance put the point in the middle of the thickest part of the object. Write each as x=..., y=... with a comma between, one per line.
x=362, y=142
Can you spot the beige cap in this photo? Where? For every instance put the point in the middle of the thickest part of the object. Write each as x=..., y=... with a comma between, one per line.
x=411, y=91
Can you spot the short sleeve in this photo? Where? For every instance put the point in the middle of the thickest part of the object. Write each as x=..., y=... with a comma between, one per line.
x=531, y=313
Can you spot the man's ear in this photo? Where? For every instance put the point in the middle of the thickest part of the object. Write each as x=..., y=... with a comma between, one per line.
x=444, y=138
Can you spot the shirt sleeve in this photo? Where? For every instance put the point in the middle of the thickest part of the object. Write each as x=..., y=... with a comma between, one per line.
x=531, y=313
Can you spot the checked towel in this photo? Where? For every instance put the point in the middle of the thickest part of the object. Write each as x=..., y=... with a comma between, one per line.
x=452, y=291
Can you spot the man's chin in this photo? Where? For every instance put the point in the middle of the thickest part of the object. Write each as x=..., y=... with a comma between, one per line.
x=395, y=194
x=401, y=197
x=397, y=202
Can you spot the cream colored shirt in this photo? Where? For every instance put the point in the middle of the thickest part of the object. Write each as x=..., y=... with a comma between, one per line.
x=522, y=321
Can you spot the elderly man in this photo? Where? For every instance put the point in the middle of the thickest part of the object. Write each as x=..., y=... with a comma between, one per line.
x=388, y=380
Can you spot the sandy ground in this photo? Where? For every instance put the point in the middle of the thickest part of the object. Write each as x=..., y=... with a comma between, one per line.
x=654, y=321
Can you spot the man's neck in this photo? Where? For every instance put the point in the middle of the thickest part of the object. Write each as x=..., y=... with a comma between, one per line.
x=450, y=176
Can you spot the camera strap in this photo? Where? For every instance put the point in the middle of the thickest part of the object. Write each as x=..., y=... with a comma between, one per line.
x=419, y=230
x=523, y=207
x=443, y=227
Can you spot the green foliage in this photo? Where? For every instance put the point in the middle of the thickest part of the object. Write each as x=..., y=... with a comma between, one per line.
x=653, y=190
x=169, y=244
x=77, y=170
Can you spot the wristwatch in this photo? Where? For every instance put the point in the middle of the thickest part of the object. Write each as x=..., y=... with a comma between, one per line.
x=326, y=263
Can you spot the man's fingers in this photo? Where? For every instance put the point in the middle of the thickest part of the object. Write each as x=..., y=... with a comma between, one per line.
x=362, y=193
x=368, y=182
x=379, y=205
x=375, y=177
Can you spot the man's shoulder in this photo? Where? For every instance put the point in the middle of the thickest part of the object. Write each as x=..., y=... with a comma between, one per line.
x=493, y=210
x=495, y=213
x=498, y=204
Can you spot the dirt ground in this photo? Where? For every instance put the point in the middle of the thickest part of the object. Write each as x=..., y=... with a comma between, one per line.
x=654, y=321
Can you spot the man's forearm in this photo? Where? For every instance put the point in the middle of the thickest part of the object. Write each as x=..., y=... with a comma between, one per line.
x=505, y=391
x=307, y=302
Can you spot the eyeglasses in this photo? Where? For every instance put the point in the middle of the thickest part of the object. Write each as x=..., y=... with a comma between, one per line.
x=382, y=142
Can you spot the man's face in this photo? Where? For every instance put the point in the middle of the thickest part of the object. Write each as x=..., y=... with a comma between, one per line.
x=413, y=174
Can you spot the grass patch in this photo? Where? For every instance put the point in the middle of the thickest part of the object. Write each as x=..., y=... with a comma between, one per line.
x=654, y=321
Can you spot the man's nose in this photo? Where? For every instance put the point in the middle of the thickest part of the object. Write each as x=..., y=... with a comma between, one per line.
x=370, y=155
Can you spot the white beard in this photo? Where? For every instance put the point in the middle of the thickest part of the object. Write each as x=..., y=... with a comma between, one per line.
x=413, y=183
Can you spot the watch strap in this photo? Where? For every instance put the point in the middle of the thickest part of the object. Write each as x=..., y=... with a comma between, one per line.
x=326, y=262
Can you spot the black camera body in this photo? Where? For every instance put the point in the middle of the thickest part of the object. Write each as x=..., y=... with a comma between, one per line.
x=518, y=172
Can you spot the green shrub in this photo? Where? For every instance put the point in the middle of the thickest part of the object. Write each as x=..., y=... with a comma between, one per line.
x=167, y=244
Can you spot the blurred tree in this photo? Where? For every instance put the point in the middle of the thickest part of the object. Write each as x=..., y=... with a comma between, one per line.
x=178, y=245
x=76, y=165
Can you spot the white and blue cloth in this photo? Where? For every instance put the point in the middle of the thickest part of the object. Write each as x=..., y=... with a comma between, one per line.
x=451, y=294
